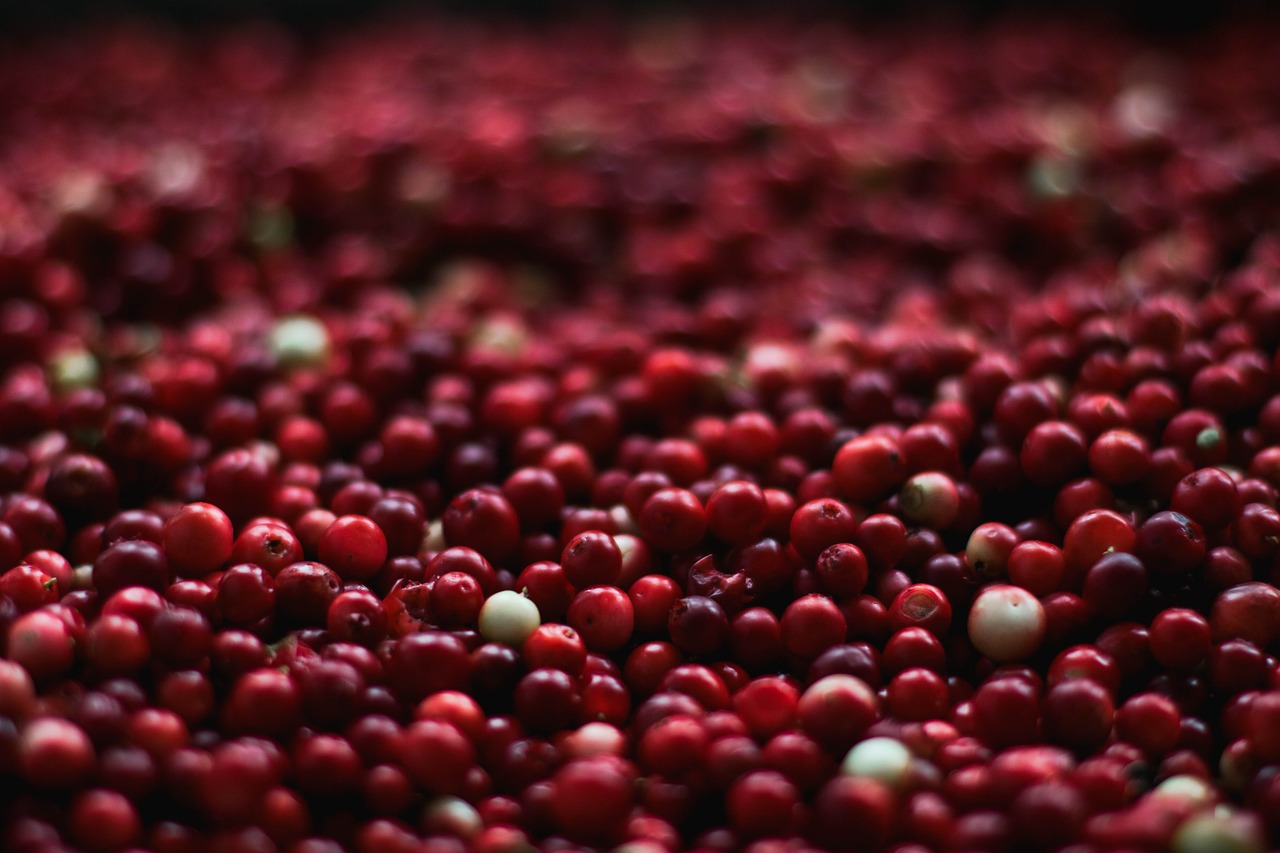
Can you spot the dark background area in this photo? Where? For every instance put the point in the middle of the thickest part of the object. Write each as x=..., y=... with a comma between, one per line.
x=1147, y=15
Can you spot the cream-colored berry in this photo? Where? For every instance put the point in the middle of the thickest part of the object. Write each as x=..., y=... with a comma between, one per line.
x=881, y=758
x=508, y=617
x=1006, y=623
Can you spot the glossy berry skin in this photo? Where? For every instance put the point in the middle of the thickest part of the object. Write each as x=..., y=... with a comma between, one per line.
x=1078, y=714
x=836, y=710
x=1170, y=543
x=673, y=520
x=1180, y=639
x=811, y=625
x=819, y=524
x=603, y=616
x=590, y=559
x=1006, y=623
x=483, y=520
x=930, y=498
x=1052, y=453
x=246, y=593
x=197, y=539
x=921, y=605
x=737, y=512
x=1208, y=497
x=698, y=626
x=267, y=544
x=1036, y=567
x=841, y=570
x=353, y=546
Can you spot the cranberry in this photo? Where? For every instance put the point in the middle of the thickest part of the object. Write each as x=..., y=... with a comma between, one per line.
x=41, y=643
x=921, y=605
x=767, y=705
x=197, y=539
x=483, y=520
x=604, y=616
x=819, y=524
x=1171, y=543
x=736, y=512
x=837, y=709
x=304, y=592
x=591, y=558
x=1078, y=713
x=353, y=546
x=1036, y=567
x=1006, y=623
x=246, y=593
x=1180, y=639
x=130, y=563
x=672, y=520
x=867, y=468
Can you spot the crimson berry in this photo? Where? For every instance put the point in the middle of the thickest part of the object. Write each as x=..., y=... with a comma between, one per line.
x=304, y=592
x=811, y=625
x=767, y=705
x=356, y=616
x=555, y=646
x=841, y=570
x=868, y=468
x=29, y=587
x=353, y=546
x=591, y=558
x=131, y=563
x=1036, y=567
x=1208, y=497
x=1119, y=457
x=1078, y=714
x=548, y=700
x=652, y=598
x=1115, y=585
x=42, y=643
x=672, y=520
x=603, y=616
x=246, y=593
x=590, y=799
x=546, y=586
x=1150, y=722
x=484, y=520
x=198, y=539
x=456, y=600
x=437, y=756
x=918, y=694
x=762, y=803
x=1180, y=639
x=819, y=524
x=837, y=709
x=1093, y=535
x=737, y=512
x=1170, y=543
x=883, y=539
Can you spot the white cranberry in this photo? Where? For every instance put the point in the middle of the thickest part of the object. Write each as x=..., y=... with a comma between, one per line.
x=1006, y=623
x=1222, y=830
x=454, y=816
x=594, y=738
x=300, y=341
x=881, y=758
x=508, y=617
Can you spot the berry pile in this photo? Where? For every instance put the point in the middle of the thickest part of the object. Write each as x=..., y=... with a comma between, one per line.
x=689, y=435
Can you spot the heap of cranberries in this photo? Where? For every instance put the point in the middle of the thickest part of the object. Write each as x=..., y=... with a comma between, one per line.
x=691, y=434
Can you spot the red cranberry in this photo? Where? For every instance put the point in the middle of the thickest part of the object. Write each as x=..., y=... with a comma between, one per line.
x=591, y=558
x=868, y=468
